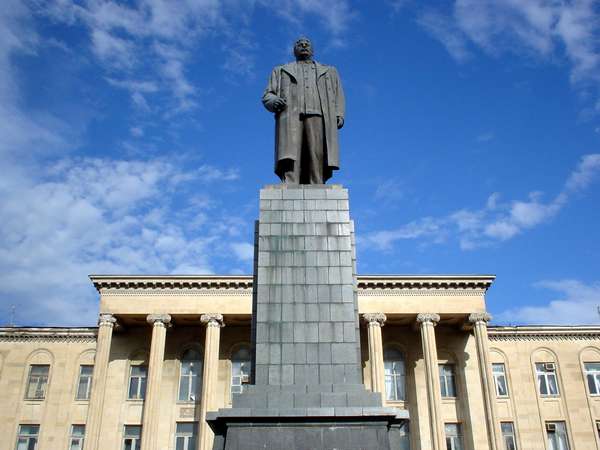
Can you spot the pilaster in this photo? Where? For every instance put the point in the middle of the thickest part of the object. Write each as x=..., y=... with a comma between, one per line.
x=106, y=324
x=214, y=323
x=427, y=323
x=374, y=323
x=151, y=417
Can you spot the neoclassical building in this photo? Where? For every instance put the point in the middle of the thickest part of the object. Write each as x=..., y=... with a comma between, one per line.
x=168, y=349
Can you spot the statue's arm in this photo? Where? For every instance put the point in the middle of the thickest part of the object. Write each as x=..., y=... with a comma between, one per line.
x=270, y=98
x=340, y=100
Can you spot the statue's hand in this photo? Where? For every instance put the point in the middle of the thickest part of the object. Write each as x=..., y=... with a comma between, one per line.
x=274, y=103
x=340, y=122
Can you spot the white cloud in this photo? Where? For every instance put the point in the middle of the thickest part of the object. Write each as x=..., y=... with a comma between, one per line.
x=540, y=28
x=497, y=221
x=577, y=303
x=243, y=250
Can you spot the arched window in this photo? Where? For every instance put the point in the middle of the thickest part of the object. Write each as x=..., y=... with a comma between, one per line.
x=394, y=374
x=190, y=378
x=240, y=369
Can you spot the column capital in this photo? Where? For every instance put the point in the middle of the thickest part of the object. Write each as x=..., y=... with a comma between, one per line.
x=479, y=317
x=433, y=318
x=374, y=318
x=154, y=319
x=106, y=320
x=212, y=320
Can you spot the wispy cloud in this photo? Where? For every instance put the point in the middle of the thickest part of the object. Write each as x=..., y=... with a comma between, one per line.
x=445, y=30
x=497, y=221
x=577, y=303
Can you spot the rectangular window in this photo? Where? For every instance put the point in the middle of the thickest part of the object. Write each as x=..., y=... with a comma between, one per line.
x=185, y=436
x=84, y=386
x=508, y=435
x=38, y=382
x=76, y=438
x=453, y=436
x=557, y=436
x=137, y=382
x=28, y=437
x=592, y=374
x=546, y=377
x=447, y=383
x=499, y=373
x=132, y=437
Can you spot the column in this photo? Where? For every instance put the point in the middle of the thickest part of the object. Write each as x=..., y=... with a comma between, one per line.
x=479, y=321
x=106, y=324
x=213, y=322
x=427, y=323
x=151, y=415
x=374, y=323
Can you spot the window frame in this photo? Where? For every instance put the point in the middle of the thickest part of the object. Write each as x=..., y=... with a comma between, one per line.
x=78, y=437
x=199, y=377
x=444, y=376
x=27, y=436
x=596, y=377
x=46, y=383
x=563, y=432
x=502, y=376
x=395, y=378
x=140, y=392
x=89, y=380
x=193, y=437
x=512, y=435
x=244, y=377
x=546, y=374
x=456, y=440
x=136, y=440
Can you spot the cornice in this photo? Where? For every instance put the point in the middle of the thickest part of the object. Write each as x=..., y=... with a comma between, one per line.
x=368, y=284
x=543, y=333
x=32, y=334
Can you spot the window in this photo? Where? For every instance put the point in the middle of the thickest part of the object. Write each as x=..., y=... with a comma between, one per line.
x=76, y=438
x=499, y=373
x=592, y=374
x=453, y=436
x=508, y=435
x=404, y=438
x=557, y=436
x=38, y=382
x=185, y=436
x=132, y=437
x=240, y=369
x=84, y=386
x=546, y=377
x=447, y=385
x=28, y=437
x=393, y=363
x=137, y=382
x=190, y=378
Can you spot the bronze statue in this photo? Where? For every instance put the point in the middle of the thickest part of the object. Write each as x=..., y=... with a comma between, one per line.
x=308, y=102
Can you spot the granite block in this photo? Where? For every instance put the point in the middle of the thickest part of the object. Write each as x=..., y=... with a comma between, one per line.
x=310, y=399
x=315, y=194
x=293, y=194
x=312, y=353
x=287, y=353
x=299, y=353
x=326, y=375
x=337, y=194
x=299, y=312
x=343, y=353
x=324, y=353
x=270, y=194
x=324, y=311
x=287, y=374
x=312, y=332
x=335, y=399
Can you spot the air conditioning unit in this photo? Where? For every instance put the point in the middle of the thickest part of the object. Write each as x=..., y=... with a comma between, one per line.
x=550, y=367
x=551, y=427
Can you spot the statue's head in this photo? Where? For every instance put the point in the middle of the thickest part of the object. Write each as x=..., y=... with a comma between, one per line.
x=303, y=49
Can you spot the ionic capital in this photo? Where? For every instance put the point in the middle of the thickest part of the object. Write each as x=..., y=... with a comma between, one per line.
x=107, y=320
x=432, y=318
x=212, y=320
x=376, y=319
x=479, y=317
x=159, y=319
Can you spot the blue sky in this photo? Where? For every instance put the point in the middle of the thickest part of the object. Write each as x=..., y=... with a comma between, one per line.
x=133, y=141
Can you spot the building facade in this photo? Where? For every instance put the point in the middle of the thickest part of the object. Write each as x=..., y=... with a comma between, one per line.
x=170, y=348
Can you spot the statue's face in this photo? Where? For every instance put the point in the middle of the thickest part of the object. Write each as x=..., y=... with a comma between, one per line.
x=303, y=49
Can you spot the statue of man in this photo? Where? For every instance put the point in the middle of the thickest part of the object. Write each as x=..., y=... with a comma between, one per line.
x=308, y=102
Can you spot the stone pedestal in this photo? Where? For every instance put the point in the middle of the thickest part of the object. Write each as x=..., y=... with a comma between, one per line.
x=307, y=391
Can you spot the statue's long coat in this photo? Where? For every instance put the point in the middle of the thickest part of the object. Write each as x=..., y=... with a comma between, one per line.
x=288, y=132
